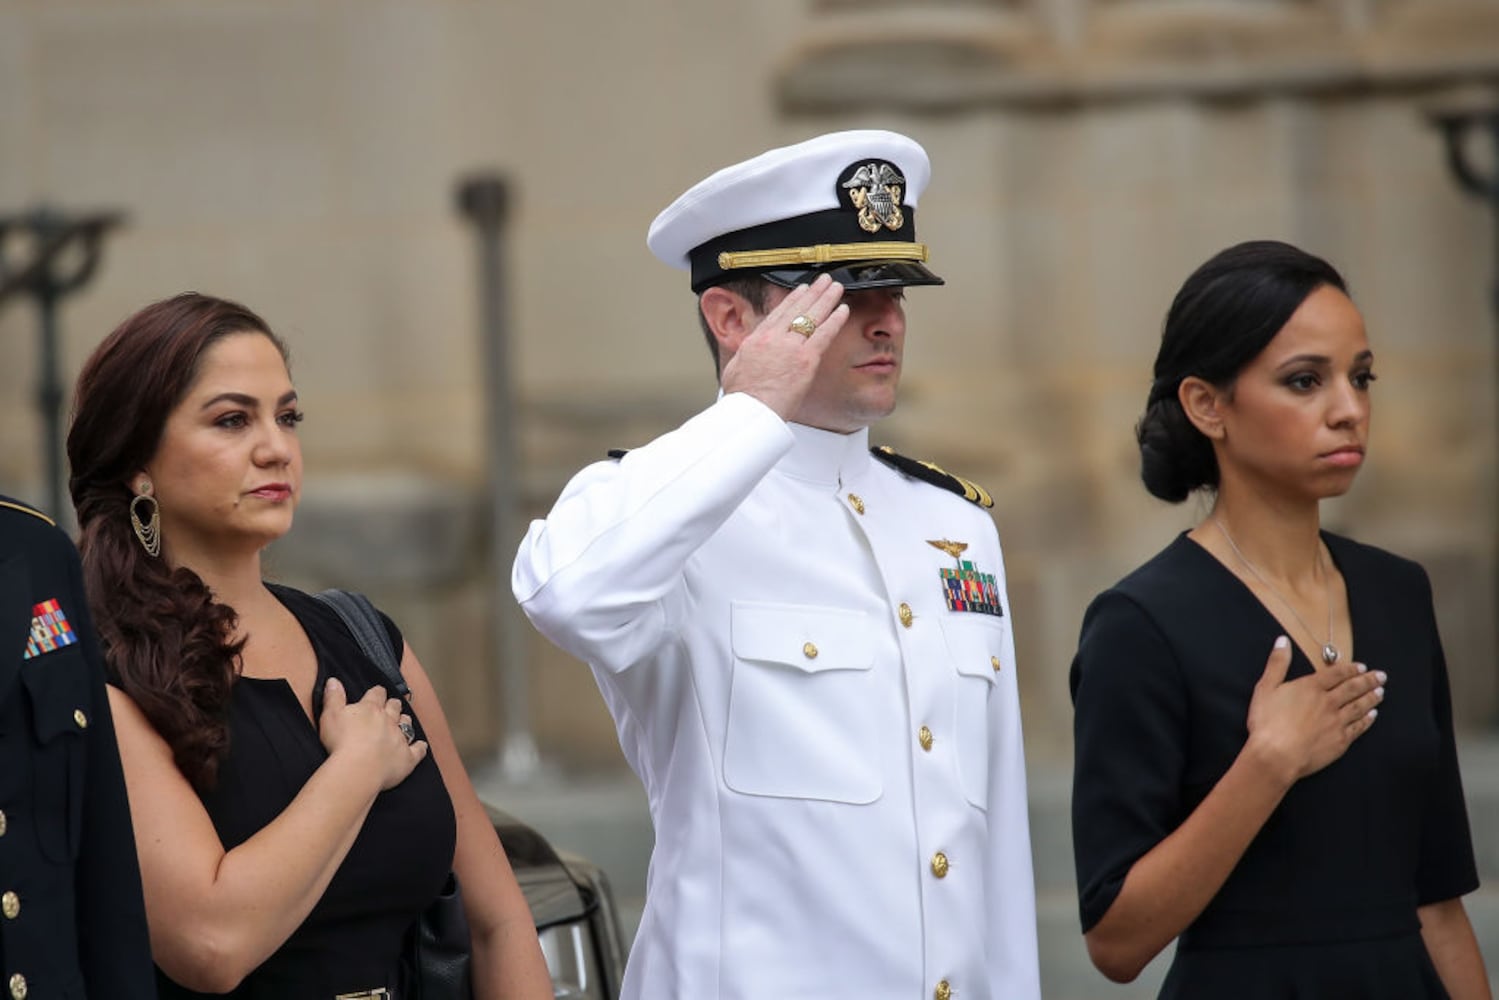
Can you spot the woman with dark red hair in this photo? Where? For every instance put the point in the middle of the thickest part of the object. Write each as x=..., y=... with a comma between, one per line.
x=290, y=821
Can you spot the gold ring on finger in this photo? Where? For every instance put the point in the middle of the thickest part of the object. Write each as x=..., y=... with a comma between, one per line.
x=803, y=325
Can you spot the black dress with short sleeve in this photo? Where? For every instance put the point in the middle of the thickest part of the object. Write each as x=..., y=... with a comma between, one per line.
x=1323, y=902
x=352, y=939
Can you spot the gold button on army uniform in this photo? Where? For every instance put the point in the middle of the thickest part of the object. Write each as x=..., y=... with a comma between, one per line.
x=994, y=662
x=3, y=821
x=943, y=991
x=856, y=503
x=80, y=719
x=924, y=737
x=18, y=987
x=904, y=612
x=939, y=865
x=809, y=651
x=10, y=905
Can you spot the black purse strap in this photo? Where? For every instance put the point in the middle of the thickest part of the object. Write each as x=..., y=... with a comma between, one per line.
x=364, y=623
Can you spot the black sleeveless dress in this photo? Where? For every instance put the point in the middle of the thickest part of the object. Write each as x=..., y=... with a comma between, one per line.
x=1323, y=903
x=352, y=939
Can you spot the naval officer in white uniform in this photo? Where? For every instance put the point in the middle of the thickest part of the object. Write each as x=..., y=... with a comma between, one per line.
x=805, y=644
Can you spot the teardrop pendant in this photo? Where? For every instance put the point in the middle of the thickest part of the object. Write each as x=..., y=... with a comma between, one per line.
x=1330, y=653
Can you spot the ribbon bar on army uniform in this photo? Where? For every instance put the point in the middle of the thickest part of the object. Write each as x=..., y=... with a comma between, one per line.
x=50, y=629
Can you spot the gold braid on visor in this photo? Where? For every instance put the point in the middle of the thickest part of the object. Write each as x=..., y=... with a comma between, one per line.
x=822, y=253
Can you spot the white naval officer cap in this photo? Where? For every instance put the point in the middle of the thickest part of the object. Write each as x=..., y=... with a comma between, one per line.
x=843, y=203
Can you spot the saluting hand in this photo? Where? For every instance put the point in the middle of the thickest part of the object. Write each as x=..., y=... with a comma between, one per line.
x=776, y=364
x=371, y=729
x=1303, y=725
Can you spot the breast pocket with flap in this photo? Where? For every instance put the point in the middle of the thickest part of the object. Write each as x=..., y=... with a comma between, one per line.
x=976, y=644
x=57, y=685
x=800, y=719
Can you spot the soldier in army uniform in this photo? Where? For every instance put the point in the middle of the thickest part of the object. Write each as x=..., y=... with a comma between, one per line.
x=805, y=642
x=72, y=923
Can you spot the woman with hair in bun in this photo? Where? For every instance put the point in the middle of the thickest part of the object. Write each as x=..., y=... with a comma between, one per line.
x=1243, y=783
x=290, y=822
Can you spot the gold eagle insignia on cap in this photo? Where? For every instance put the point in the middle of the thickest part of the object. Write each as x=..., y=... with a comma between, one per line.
x=875, y=189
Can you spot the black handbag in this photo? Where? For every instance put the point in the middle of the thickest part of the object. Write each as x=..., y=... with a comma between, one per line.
x=436, y=963
x=437, y=956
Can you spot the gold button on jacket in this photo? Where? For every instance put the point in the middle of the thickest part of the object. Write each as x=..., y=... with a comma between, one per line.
x=939, y=865
x=943, y=991
x=924, y=737
x=2, y=822
x=906, y=617
x=809, y=651
x=856, y=503
x=80, y=719
x=10, y=905
x=18, y=987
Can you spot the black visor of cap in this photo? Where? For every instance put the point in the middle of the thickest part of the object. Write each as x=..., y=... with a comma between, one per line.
x=857, y=275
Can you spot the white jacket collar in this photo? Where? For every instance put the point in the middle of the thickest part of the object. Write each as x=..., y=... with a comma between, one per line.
x=825, y=457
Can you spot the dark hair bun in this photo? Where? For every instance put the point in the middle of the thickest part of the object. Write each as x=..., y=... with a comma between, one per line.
x=1175, y=457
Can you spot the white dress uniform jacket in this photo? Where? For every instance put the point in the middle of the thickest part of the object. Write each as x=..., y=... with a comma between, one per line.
x=833, y=757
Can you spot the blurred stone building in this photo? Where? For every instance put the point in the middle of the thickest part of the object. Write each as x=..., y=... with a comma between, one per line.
x=303, y=157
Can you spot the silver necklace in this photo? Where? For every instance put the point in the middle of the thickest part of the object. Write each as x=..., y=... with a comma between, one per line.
x=1330, y=652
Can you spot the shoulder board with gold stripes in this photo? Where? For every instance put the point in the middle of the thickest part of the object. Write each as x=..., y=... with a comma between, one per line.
x=937, y=476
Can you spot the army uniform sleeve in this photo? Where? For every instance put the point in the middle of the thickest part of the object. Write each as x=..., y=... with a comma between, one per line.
x=74, y=920
x=114, y=946
x=601, y=575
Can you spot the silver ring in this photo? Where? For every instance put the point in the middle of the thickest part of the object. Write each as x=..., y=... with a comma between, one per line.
x=406, y=729
x=804, y=325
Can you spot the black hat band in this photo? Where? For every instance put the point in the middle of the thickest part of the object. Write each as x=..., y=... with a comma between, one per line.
x=832, y=228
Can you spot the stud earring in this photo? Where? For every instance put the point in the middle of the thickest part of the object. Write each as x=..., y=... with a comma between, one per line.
x=149, y=530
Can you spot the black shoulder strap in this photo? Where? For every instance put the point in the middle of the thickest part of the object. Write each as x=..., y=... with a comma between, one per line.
x=930, y=473
x=369, y=631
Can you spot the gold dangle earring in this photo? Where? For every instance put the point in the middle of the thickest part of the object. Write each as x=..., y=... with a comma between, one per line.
x=149, y=530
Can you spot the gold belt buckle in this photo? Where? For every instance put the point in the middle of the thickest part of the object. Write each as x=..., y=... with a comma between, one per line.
x=380, y=994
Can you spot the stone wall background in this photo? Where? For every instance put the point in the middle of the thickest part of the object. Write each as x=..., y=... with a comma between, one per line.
x=303, y=157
